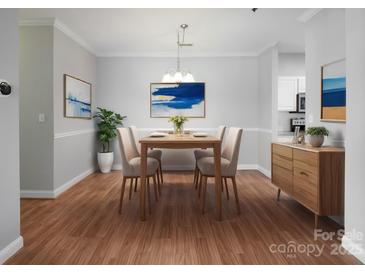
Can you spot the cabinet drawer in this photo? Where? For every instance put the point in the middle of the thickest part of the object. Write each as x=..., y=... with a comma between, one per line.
x=305, y=188
x=283, y=178
x=282, y=151
x=306, y=169
x=282, y=162
x=311, y=158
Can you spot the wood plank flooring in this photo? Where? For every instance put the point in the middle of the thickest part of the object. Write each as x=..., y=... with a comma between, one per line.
x=83, y=226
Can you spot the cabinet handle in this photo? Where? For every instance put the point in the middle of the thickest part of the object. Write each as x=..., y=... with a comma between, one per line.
x=303, y=173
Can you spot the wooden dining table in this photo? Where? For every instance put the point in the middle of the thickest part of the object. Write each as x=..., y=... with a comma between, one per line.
x=181, y=141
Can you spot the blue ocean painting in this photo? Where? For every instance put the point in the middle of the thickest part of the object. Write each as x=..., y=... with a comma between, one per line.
x=186, y=99
x=334, y=92
x=77, y=98
x=78, y=107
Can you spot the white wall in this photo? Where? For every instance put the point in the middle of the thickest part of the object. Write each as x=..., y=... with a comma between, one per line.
x=231, y=96
x=10, y=239
x=74, y=153
x=268, y=73
x=290, y=65
x=355, y=133
x=324, y=43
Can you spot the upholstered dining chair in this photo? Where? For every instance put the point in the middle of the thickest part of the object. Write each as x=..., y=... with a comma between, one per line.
x=131, y=163
x=229, y=162
x=155, y=153
x=201, y=153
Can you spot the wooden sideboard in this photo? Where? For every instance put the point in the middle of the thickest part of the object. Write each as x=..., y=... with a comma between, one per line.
x=312, y=176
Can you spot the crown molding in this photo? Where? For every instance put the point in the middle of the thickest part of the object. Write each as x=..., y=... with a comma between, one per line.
x=265, y=48
x=61, y=27
x=172, y=54
x=307, y=15
x=150, y=54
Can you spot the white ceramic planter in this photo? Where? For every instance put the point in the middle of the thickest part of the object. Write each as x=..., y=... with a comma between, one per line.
x=316, y=140
x=105, y=161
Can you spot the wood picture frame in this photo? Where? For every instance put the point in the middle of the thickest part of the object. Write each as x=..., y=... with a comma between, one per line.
x=77, y=98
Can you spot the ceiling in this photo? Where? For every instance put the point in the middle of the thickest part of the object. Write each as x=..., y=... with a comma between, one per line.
x=143, y=32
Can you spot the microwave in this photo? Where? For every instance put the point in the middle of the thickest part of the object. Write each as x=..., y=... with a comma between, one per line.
x=301, y=102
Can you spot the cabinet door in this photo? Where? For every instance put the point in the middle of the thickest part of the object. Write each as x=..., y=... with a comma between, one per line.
x=287, y=93
x=301, y=84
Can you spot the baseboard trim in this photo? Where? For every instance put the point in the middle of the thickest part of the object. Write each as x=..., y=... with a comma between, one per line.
x=353, y=248
x=11, y=249
x=73, y=182
x=49, y=194
x=264, y=171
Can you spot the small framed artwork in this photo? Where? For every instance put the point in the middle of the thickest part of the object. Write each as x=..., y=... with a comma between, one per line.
x=333, y=92
x=77, y=97
x=169, y=99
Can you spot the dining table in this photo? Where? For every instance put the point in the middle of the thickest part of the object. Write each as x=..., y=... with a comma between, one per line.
x=181, y=141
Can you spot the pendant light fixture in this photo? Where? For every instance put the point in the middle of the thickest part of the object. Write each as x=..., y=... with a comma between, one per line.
x=178, y=75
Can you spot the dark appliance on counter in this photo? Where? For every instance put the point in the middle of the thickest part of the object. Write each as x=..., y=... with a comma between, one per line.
x=297, y=122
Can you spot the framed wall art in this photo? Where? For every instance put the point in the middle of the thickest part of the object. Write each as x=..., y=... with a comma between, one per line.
x=77, y=98
x=333, y=92
x=169, y=99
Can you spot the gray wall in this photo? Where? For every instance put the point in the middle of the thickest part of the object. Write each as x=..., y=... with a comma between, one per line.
x=9, y=137
x=268, y=69
x=75, y=153
x=324, y=43
x=231, y=96
x=355, y=132
x=36, y=96
x=55, y=152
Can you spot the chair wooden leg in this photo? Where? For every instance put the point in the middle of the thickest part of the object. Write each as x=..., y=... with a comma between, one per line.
x=130, y=188
x=204, y=182
x=225, y=182
x=160, y=168
x=200, y=183
x=158, y=184
x=196, y=177
x=155, y=187
x=122, y=195
x=135, y=185
x=236, y=194
x=148, y=195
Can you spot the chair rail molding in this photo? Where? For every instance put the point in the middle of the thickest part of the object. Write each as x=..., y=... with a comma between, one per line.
x=73, y=133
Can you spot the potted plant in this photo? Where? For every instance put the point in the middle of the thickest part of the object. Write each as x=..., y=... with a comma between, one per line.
x=108, y=123
x=316, y=135
x=178, y=122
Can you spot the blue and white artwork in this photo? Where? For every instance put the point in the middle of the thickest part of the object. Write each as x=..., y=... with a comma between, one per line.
x=77, y=98
x=333, y=106
x=187, y=99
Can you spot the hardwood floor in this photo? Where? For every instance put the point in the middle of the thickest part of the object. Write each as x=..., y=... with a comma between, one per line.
x=83, y=226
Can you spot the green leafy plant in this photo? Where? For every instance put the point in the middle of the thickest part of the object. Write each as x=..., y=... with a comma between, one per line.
x=108, y=123
x=315, y=131
x=178, y=122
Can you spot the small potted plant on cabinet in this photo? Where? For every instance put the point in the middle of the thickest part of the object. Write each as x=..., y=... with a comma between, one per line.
x=108, y=123
x=316, y=135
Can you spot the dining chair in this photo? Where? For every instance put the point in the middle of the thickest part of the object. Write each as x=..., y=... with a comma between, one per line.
x=201, y=153
x=154, y=153
x=229, y=162
x=131, y=163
